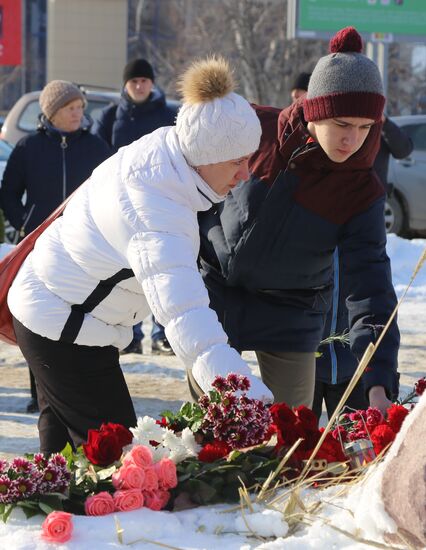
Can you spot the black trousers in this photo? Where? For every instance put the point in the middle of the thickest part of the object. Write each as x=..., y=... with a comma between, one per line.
x=332, y=393
x=79, y=388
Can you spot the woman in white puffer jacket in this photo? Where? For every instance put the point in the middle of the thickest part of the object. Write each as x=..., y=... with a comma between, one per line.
x=127, y=243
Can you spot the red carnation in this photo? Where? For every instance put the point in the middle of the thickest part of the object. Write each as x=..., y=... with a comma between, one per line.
x=214, y=451
x=282, y=415
x=307, y=418
x=382, y=436
x=331, y=449
x=420, y=386
x=340, y=432
x=396, y=416
x=374, y=417
x=162, y=422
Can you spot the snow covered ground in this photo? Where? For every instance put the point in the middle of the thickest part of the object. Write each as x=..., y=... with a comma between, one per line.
x=204, y=527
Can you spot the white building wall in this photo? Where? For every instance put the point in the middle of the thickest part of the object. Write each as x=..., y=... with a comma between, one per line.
x=87, y=41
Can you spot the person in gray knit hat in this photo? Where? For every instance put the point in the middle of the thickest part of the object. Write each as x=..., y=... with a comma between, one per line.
x=58, y=93
x=268, y=253
x=344, y=83
x=48, y=165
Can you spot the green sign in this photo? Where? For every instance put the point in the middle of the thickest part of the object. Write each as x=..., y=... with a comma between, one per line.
x=379, y=17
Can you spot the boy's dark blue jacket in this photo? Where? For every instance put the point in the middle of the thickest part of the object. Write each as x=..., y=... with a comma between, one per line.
x=267, y=251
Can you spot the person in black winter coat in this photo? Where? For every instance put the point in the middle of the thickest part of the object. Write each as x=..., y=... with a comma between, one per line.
x=267, y=251
x=141, y=110
x=51, y=163
x=337, y=364
x=47, y=166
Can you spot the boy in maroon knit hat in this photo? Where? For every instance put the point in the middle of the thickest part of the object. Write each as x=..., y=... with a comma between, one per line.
x=267, y=253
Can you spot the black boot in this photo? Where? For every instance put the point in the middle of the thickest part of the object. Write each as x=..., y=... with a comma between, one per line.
x=161, y=346
x=134, y=347
x=32, y=406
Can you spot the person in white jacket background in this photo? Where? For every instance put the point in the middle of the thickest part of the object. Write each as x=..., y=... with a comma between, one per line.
x=127, y=242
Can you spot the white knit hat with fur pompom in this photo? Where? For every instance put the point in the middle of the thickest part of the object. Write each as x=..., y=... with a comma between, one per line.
x=214, y=124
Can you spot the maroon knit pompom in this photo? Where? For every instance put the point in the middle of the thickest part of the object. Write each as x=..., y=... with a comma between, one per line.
x=346, y=40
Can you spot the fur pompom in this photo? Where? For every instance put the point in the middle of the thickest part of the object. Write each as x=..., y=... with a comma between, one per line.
x=346, y=40
x=206, y=80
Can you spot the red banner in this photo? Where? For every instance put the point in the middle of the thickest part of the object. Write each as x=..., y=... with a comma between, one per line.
x=10, y=32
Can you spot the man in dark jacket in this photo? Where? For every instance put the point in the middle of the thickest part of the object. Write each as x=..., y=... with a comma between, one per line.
x=267, y=250
x=47, y=166
x=142, y=109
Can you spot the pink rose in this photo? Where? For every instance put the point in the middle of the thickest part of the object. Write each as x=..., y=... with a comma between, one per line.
x=156, y=500
x=130, y=499
x=57, y=527
x=99, y=505
x=166, y=472
x=139, y=455
x=151, y=480
x=128, y=476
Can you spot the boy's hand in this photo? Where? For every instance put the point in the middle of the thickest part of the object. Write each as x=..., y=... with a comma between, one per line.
x=378, y=399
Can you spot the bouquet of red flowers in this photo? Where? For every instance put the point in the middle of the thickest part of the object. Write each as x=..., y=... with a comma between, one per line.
x=301, y=423
x=371, y=425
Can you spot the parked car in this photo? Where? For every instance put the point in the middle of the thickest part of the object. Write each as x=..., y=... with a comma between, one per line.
x=5, y=149
x=405, y=210
x=23, y=116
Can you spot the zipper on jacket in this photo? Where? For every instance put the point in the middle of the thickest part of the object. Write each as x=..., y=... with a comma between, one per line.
x=25, y=223
x=64, y=145
x=335, y=305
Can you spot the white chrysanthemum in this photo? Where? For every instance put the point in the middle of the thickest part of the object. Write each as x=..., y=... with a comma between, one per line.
x=188, y=440
x=160, y=452
x=146, y=430
x=170, y=439
x=170, y=445
x=177, y=454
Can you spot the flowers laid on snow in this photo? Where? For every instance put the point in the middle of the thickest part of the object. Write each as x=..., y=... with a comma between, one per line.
x=57, y=527
x=225, y=416
x=301, y=422
x=200, y=455
x=105, y=446
x=34, y=484
x=163, y=440
x=371, y=425
x=132, y=480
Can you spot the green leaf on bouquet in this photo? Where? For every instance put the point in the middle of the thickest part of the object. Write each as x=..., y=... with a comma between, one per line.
x=7, y=510
x=68, y=453
x=53, y=501
x=29, y=504
x=46, y=508
x=30, y=508
x=189, y=416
